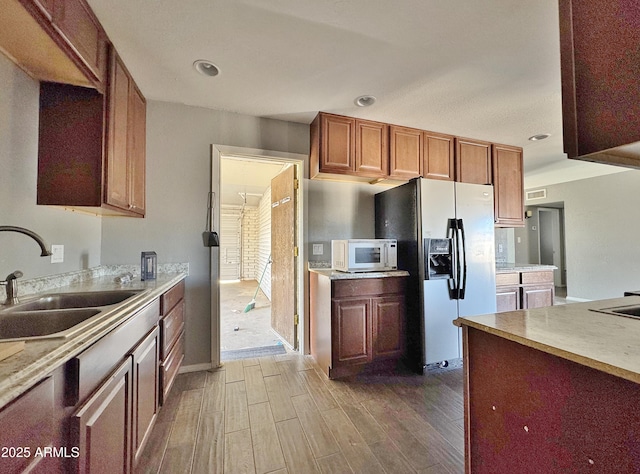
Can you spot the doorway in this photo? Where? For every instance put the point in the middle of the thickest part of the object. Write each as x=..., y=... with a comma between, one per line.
x=241, y=267
x=551, y=246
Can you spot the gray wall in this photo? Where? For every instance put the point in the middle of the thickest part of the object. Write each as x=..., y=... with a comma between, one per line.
x=178, y=163
x=80, y=234
x=602, y=225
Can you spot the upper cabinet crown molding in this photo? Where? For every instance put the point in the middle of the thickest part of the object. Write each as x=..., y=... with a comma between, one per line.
x=600, y=70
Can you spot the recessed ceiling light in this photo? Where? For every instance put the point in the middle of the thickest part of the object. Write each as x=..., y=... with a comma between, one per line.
x=365, y=100
x=541, y=136
x=206, y=68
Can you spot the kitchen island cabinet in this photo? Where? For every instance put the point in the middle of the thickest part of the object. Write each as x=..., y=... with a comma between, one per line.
x=552, y=390
x=357, y=320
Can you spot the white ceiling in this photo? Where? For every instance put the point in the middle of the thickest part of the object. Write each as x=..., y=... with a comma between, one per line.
x=482, y=69
x=246, y=178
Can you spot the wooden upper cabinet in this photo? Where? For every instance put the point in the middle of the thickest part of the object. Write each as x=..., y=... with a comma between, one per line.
x=600, y=72
x=84, y=163
x=77, y=23
x=126, y=129
x=372, y=149
x=337, y=150
x=439, y=152
x=406, y=152
x=473, y=161
x=508, y=186
x=348, y=146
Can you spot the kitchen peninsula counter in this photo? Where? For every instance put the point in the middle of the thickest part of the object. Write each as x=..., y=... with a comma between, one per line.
x=41, y=357
x=523, y=267
x=552, y=389
x=338, y=275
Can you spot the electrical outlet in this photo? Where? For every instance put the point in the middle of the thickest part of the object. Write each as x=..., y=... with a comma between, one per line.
x=57, y=253
x=318, y=249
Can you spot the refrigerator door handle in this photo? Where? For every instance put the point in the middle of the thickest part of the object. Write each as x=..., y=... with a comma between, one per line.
x=463, y=281
x=454, y=282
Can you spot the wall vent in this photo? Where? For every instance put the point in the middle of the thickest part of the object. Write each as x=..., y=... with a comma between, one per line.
x=536, y=194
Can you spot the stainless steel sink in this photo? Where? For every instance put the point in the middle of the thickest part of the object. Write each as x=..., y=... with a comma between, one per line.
x=75, y=300
x=57, y=315
x=42, y=323
x=631, y=311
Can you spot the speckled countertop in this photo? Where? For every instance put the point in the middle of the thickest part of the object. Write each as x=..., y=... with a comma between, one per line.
x=522, y=267
x=40, y=357
x=338, y=275
x=605, y=342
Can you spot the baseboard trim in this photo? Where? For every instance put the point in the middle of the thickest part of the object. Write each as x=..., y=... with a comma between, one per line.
x=195, y=368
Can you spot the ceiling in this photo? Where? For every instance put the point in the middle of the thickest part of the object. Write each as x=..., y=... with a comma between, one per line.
x=248, y=179
x=488, y=70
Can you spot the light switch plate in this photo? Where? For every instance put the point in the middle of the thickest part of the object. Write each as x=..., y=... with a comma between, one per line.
x=57, y=253
x=318, y=249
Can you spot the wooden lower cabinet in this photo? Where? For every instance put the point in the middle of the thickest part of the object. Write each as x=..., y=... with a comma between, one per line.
x=101, y=428
x=356, y=324
x=524, y=290
x=172, y=314
x=146, y=391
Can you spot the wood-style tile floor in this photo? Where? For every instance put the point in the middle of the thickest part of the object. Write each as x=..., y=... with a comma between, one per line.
x=280, y=414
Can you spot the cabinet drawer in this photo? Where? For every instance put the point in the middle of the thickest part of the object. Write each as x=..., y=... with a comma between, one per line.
x=169, y=299
x=170, y=367
x=171, y=326
x=88, y=369
x=504, y=279
x=537, y=277
x=27, y=423
x=368, y=286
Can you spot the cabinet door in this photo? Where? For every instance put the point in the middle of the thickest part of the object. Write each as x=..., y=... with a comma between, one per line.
x=146, y=381
x=117, y=166
x=372, y=149
x=337, y=148
x=351, y=331
x=473, y=161
x=508, y=185
x=406, y=152
x=76, y=22
x=537, y=296
x=507, y=298
x=438, y=156
x=101, y=428
x=388, y=326
x=137, y=150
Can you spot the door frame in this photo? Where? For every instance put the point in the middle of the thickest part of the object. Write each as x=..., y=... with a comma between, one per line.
x=301, y=162
x=556, y=236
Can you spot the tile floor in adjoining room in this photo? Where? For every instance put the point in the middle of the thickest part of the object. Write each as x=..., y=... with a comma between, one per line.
x=281, y=414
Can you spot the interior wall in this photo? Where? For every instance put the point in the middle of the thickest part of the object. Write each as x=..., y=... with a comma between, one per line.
x=601, y=228
x=250, y=243
x=80, y=234
x=179, y=139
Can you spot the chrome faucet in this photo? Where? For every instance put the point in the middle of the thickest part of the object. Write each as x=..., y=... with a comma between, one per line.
x=12, y=280
x=30, y=233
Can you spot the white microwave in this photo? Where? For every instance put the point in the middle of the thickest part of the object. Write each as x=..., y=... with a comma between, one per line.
x=364, y=255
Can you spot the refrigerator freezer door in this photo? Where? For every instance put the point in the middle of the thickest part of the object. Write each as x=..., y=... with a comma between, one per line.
x=441, y=336
x=474, y=205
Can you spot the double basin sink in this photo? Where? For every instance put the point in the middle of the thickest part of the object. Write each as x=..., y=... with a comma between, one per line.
x=57, y=315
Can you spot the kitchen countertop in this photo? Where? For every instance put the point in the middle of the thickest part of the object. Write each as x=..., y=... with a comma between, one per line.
x=41, y=357
x=522, y=267
x=605, y=342
x=338, y=275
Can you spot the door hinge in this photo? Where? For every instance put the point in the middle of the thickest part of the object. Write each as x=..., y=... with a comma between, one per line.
x=295, y=251
x=296, y=319
x=296, y=183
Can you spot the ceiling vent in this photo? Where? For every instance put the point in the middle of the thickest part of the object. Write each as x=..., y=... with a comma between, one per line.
x=536, y=194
